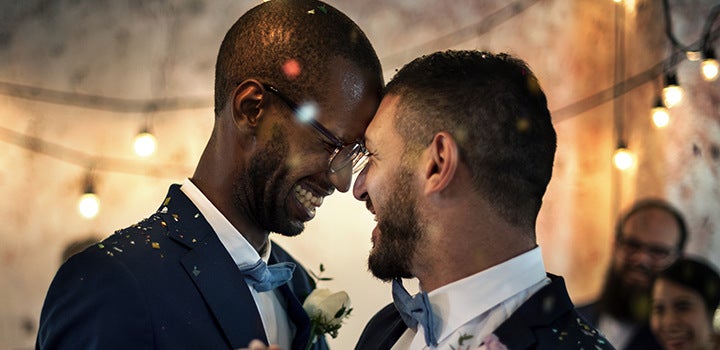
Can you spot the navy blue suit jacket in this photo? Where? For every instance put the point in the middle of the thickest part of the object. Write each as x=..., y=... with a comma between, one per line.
x=166, y=282
x=545, y=321
x=642, y=338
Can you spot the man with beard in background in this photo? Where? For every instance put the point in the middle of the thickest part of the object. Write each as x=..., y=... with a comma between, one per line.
x=296, y=84
x=649, y=237
x=461, y=153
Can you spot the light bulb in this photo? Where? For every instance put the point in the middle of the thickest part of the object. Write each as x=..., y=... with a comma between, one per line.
x=623, y=158
x=672, y=93
x=660, y=115
x=709, y=68
x=89, y=205
x=693, y=55
x=145, y=144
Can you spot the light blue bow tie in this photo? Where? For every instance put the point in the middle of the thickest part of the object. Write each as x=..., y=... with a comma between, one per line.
x=264, y=278
x=414, y=310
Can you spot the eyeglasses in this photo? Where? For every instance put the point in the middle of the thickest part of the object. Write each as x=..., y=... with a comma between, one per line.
x=659, y=254
x=352, y=154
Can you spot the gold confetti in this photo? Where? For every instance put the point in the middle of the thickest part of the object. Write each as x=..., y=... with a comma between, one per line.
x=167, y=201
x=156, y=245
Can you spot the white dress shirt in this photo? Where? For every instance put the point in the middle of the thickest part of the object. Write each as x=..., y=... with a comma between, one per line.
x=473, y=307
x=274, y=317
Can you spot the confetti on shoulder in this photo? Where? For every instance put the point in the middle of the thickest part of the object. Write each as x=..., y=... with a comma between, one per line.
x=156, y=245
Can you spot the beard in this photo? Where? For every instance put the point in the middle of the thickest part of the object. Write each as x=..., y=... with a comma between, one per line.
x=260, y=191
x=626, y=302
x=400, y=232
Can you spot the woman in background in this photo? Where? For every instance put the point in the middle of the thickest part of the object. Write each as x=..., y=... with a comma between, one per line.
x=685, y=297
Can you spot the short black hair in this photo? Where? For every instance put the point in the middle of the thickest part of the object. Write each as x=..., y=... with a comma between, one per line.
x=276, y=32
x=655, y=203
x=494, y=107
x=697, y=275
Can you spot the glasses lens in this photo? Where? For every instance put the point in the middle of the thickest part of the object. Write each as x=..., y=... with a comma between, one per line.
x=349, y=155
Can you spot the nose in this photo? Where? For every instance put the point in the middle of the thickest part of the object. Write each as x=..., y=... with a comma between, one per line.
x=341, y=178
x=359, y=190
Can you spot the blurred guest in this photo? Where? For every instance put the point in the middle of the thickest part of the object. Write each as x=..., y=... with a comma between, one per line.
x=649, y=237
x=684, y=299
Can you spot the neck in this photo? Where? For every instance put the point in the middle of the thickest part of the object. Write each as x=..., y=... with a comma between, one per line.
x=457, y=247
x=216, y=180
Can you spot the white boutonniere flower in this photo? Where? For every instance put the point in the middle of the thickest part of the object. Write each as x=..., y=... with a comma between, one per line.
x=326, y=310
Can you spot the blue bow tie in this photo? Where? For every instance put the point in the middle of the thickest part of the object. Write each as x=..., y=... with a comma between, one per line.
x=414, y=310
x=264, y=278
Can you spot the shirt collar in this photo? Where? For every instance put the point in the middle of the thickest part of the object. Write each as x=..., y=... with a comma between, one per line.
x=241, y=251
x=459, y=302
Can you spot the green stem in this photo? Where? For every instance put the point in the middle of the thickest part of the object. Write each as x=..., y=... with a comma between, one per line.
x=313, y=337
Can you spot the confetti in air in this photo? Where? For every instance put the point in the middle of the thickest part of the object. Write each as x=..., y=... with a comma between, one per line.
x=307, y=112
x=291, y=68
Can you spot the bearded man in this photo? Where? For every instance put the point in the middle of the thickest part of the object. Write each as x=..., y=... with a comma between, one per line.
x=461, y=153
x=649, y=237
x=296, y=84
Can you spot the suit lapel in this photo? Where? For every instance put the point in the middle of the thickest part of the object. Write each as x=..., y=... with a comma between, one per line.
x=213, y=271
x=541, y=309
x=383, y=330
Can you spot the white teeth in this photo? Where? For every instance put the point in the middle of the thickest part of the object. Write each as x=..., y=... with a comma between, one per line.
x=308, y=200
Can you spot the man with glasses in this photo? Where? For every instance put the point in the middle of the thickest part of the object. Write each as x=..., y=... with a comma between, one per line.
x=461, y=153
x=296, y=84
x=649, y=237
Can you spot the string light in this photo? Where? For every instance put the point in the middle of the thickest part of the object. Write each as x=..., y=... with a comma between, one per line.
x=660, y=115
x=623, y=158
x=709, y=66
x=145, y=143
x=89, y=202
x=672, y=93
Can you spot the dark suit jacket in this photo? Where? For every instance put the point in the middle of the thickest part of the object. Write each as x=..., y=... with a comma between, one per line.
x=642, y=339
x=166, y=282
x=545, y=321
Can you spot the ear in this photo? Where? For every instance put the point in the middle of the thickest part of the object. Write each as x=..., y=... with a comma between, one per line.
x=442, y=162
x=247, y=103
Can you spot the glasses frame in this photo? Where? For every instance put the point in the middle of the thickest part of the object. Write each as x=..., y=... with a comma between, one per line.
x=357, y=155
x=661, y=256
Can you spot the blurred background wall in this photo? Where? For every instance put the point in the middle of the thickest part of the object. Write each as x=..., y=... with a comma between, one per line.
x=80, y=78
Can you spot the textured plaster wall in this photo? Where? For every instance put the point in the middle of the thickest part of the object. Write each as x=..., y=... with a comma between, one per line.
x=136, y=51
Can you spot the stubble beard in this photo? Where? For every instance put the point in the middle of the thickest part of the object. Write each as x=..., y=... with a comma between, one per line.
x=400, y=232
x=626, y=302
x=258, y=191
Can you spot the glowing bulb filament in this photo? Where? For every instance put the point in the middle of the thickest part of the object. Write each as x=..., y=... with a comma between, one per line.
x=89, y=205
x=672, y=95
x=709, y=68
x=623, y=159
x=660, y=117
x=145, y=144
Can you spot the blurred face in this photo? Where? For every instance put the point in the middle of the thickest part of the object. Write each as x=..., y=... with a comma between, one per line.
x=288, y=177
x=647, y=245
x=679, y=318
x=386, y=185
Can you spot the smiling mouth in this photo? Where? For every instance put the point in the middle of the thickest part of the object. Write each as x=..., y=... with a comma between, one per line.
x=306, y=197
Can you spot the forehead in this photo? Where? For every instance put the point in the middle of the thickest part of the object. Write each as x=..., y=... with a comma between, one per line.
x=652, y=225
x=382, y=128
x=350, y=98
x=669, y=290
